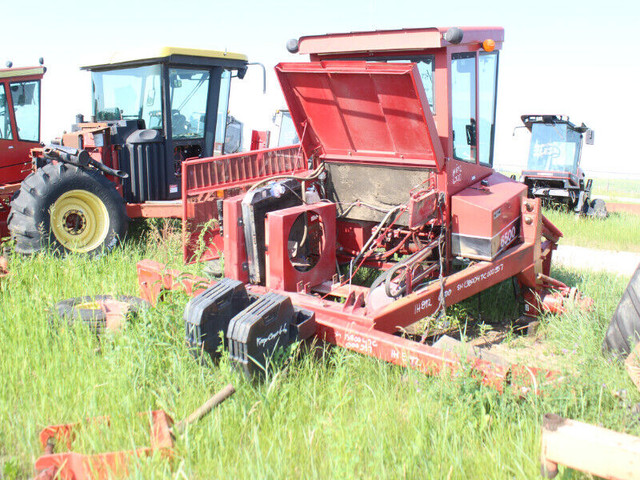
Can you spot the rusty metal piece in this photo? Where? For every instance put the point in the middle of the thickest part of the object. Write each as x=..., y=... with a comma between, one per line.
x=76, y=466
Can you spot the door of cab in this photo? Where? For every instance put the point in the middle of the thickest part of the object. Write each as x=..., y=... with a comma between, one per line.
x=19, y=127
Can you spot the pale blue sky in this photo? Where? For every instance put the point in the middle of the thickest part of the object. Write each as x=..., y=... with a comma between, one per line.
x=573, y=58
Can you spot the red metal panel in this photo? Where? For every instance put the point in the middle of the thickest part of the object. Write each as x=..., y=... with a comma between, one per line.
x=362, y=112
x=235, y=251
x=281, y=274
x=207, y=180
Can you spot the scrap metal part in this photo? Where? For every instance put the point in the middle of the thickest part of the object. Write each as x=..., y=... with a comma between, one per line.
x=100, y=312
x=76, y=466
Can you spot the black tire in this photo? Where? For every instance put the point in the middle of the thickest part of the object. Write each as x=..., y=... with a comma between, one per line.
x=30, y=219
x=624, y=330
x=597, y=209
x=74, y=310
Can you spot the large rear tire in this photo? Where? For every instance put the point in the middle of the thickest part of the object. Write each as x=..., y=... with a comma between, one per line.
x=624, y=330
x=67, y=209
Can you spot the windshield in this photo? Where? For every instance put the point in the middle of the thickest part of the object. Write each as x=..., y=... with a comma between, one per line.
x=554, y=148
x=131, y=93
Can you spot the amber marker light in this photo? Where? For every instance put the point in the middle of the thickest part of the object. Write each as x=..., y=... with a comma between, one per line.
x=488, y=45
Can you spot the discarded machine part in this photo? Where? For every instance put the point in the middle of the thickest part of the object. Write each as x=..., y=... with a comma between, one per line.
x=207, y=316
x=70, y=465
x=100, y=312
x=269, y=323
x=595, y=450
x=253, y=326
x=624, y=329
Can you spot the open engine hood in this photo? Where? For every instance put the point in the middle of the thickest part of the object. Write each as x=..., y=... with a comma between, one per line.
x=352, y=111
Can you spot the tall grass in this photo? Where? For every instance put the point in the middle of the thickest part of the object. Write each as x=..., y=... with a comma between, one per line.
x=331, y=414
x=619, y=231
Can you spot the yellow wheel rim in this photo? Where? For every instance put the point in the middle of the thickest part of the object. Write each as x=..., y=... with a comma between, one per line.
x=79, y=221
x=88, y=306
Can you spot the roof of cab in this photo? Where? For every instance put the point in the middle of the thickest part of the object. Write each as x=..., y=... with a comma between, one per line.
x=22, y=72
x=170, y=55
x=393, y=40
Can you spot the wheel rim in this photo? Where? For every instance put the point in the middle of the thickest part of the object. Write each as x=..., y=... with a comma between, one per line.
x=79, y=221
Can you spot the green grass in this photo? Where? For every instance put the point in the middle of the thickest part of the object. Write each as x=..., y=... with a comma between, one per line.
x=336, y=414
x=619, y=231
x=616, y=188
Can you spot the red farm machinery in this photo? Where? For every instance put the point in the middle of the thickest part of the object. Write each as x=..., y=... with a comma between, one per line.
x=553, y=171
x=393, y=178
x=150, y=113
x=19, y=130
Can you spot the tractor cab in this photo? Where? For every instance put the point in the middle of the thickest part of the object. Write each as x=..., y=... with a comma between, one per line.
x=164, y=108
x=19, y=121
x=553, y=170
x=556, y=144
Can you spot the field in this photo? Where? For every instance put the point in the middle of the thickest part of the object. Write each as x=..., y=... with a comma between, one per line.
x=335, y=414
x=619, y=231
x=616, y=188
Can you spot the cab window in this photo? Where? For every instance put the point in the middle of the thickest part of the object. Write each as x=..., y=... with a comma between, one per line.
x=487, y=84
x=26, y=106
x=189, y=90
x=223, y=111
x=463, y=106
x=426, y=68
x=5, y=118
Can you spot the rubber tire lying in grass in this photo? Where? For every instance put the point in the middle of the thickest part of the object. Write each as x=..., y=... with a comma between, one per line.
x=624, y=330
x=68, y=208
x=74, y=310
x=597, y=209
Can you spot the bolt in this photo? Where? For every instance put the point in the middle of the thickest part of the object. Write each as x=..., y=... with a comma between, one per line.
x=528, y=220
x=528, y=206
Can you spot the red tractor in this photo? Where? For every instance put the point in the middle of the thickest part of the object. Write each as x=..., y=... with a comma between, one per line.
x=19, y=130
x=553, y=171
x=396, y=134
x=149, y=115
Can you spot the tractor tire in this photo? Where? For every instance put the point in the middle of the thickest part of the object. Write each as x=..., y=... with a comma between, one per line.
x=597, y=209
x=86, y=310
x=68, y=209
x=624, y=330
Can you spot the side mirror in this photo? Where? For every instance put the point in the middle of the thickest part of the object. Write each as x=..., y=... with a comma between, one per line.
x=589, y=136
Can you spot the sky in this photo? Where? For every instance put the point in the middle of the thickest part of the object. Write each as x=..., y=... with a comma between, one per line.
x=573, y=58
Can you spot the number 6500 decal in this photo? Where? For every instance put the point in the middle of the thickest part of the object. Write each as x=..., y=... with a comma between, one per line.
x=508, y=236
